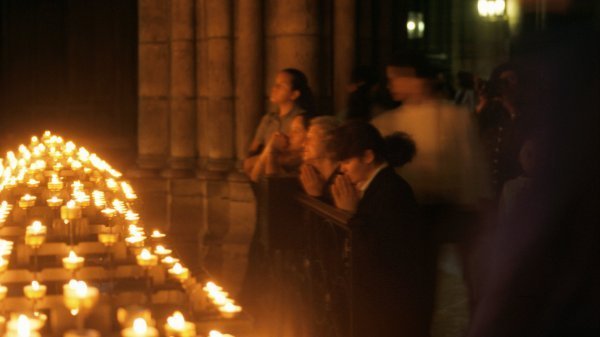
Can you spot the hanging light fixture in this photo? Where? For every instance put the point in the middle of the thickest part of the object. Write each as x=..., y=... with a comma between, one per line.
x=491, y=8
x=415, y=26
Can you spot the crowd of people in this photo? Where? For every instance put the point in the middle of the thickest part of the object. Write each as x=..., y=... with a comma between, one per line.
x=408, y=159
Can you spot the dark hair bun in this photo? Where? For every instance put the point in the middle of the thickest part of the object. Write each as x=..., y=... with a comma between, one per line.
x=400, y=149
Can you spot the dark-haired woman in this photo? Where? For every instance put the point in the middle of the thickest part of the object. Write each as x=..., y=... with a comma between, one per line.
x=292, y=96
x=392, y=290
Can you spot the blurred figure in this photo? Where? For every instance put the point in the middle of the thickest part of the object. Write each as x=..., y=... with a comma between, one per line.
x=361, y=91
x=502, y=124
x=448, y=167
x=544, y=279
x=320, y=168
x=465, y=95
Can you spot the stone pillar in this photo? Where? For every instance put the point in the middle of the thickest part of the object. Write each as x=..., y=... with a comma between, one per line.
x=182, y=90
x=292, y=39
x=248, y=72
x=219, y=80
x=153, y=88
x=202, y=144
x=344, y=29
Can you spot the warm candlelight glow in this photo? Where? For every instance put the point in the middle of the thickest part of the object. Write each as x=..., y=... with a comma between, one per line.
x=70, y=211
x=33, y=183
x=177, y=326
x=35, y=290
x=156, y=234
x=23, y=326
x=215, y=333
x=36, y=228
x=146, y=259
x=179, y=272
x=27, y=201
x=3, y=292
x=161, y=250
x=109, y=212
x=55, y=184
x=73, y=262
x=229, y=310
x=54, y=201
x=169, y=261
x=140, y=326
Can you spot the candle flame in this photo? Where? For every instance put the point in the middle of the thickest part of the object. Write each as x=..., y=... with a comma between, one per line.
x=140, y=326
x=35, y=285
x=23, y=326
x=177, y=268
x=36, y=226
x=176, y=321
x=145, y=254
x=72, y=255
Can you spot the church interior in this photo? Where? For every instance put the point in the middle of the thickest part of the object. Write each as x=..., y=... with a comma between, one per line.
x=124, y=132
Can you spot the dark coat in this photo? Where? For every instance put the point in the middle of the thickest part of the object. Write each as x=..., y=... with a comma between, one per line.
x=392, y=293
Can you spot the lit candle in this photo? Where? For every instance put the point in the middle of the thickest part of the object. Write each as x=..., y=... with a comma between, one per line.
x=23, y=326
x=78, y=295
x=229, y=310
x=35, y=290
x=169, y=261
x=54, y=201
x=107, y=239
x=140, y=328
x=112, y=185
x=55, y=184
x=215, y=333
x=27, y=201
x=99, y=200
x=132, y=217
x=119, y=206
x=3, y=292
x=178, y=327
x=146, y=259
x=179, y=272
x=81, y=198
x=70, y=211
x=35, y=234
x=32, y=183
x=3, y=264
x=156, y=234
x=109, y=212
x=162, y=251
x=136, y=240
x=128, y=191
x=73, y=262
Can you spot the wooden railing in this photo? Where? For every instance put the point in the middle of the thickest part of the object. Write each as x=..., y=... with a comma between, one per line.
x=310, y=249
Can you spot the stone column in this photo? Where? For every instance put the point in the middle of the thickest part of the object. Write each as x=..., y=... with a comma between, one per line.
x=219, y=80
x=153, y=88
x=248, y=72
x=182, y=90
x=202, y=144
x=292, y=39
x=344, y=29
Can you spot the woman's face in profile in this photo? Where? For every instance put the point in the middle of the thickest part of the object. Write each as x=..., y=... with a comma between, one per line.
x=314, y=146
x=282, y=90
x=356, y=169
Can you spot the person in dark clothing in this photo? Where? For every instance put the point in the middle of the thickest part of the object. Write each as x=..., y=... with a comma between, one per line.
x=502, y=124
x=360, y=89
x=391, y=289
x=543, y=278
